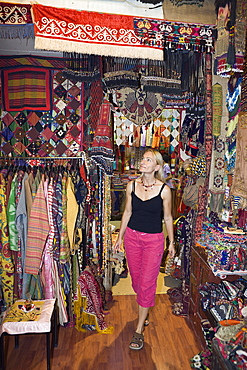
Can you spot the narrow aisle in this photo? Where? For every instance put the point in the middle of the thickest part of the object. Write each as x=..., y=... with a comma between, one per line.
x=169, y=343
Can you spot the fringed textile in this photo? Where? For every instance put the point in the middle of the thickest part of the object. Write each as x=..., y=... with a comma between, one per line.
x=163, y=76
x=11, y=13
x=88, y=305
x=92, y=33
x=115, y=35
x=83, y=67
x=101, y=150
x=23, y=31
x=208, y=140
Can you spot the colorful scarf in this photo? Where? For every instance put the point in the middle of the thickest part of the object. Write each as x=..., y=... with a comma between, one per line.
x=88, y=305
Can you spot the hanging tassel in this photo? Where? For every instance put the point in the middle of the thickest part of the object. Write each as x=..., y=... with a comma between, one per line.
x=19, y=31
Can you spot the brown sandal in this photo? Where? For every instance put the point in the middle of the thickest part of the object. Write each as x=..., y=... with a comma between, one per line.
x=137, y=341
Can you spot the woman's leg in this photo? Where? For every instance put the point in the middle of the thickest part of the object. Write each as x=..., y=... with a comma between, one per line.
x=143, y=312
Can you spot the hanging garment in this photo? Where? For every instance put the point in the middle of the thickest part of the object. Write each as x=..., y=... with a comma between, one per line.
x=72, y=211
x=11, y=215
x=6, y=263
x=21, y=226
x=38, y=230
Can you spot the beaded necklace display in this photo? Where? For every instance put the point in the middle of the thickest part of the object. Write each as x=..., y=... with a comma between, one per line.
x=148, y=186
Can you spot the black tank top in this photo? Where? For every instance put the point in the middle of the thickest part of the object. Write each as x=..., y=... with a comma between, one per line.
x=146, y=214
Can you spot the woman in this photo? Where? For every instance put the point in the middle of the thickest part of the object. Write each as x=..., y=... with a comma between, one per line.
x=148, y=199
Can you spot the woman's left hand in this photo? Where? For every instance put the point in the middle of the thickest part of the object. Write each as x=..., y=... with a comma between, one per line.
x=171, y=250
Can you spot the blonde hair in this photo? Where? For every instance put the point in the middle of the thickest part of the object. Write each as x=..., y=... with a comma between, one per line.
x=159, y=160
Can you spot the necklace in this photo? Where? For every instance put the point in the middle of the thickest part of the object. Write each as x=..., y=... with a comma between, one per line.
x=147, y=186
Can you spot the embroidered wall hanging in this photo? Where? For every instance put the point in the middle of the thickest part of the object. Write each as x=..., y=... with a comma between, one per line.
x=15, y=13
x=91, y=32
x=239, y=186
x=139, y=106
x=217, y=108
x=102, y=147
x=28, y=88
x=175, y=35
x=47, y=134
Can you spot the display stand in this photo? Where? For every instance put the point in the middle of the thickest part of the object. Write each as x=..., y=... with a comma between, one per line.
x=45, y=323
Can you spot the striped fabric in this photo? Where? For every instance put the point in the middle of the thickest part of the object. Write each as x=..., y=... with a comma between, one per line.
x=28, y=88
x=38, y=230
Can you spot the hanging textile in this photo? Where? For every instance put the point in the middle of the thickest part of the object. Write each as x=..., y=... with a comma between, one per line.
x=28, y=88
x=88, y=305
x=202, y=200
x=239, y=185
x=82, y=67
x=22, y=31
x=187, y=11
x=6, y=263
x=163, y=76
x=38, y=230
x=101, y=150
x=14, y=13
x=139, y=106
x=91, y=32
x=41, y=133
x=217, y=108
x=9, y=61
x=230, y=45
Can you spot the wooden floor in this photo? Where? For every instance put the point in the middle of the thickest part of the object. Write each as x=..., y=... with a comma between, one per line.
x=169, y=343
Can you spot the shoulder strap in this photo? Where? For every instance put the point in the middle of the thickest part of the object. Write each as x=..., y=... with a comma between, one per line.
x=162, y=187
x=133, y=186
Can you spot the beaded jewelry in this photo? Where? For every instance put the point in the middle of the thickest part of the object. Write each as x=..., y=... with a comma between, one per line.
x=148, y=186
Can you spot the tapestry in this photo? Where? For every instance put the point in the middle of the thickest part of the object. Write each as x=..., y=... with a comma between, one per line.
x=239, y=186
x=218, y=165
x=188, y=11
x=176, y=35
x=102, y=147
x=91, y=32
x=139, y=106
x=202, y=199
x=115, y=35
x=10, y=61
x=11, y=13
x=217, y=108
x=28, y=88
x=46, y=134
